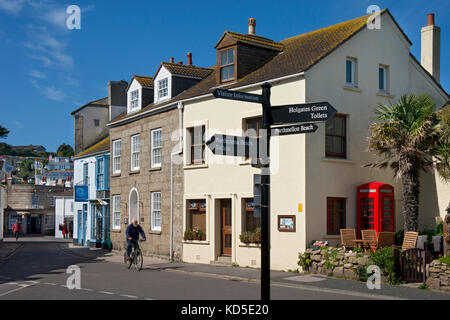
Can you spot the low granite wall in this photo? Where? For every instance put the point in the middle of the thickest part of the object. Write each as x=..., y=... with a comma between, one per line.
x=438, y=275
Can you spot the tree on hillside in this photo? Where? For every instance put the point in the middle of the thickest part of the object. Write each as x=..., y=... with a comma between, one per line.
x=26, y=168
x=65, y=150
x=410, y=138
x=3, y=132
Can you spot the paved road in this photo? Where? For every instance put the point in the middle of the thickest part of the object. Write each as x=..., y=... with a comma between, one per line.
x=37, y=270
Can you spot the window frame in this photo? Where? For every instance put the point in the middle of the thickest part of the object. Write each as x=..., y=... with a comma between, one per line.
x=219, y=60
x=385, y=69
x=115, y=218
x=192, y=145
x=153, y=211
x=154, y=164
x=247, y=211
x=134, y=101
x=117, y=156
x=135, y=152
x=86, y=174
x=199, y=209
x=163, y=89
x=100, y=174
x=335, y=200
x=329, y=154
x=353, y=72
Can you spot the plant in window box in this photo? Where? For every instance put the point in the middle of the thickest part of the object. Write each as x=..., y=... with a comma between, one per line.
x=251, y=237
x=189, y=235
x=199, y=234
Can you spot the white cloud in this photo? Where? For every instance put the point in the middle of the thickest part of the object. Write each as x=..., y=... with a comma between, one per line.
x=49, y=50
x=37, y=74
x=11, y=6
x=50, y=92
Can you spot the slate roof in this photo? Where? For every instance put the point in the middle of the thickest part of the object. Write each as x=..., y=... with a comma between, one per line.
x=186, y=70
x=103, y=102
x=101, y=146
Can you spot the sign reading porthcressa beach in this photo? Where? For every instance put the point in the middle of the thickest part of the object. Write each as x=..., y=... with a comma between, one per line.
x=235, y=95
x=298, y=113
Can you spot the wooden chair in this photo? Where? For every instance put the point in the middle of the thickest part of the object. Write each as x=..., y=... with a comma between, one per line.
x=410, y=240
x=347, y=237
x=370, y=237
x=386, y=239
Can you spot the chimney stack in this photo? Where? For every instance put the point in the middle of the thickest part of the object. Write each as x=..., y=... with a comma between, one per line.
x=431, y=48
x=172, y=60
x=180, y=62
x=189, y=59
x=251, y=26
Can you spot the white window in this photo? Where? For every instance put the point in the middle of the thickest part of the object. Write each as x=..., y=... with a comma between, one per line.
x=156, y=148
x=383, y=79
x=351, y=72
x=134, y=100
x=135, y=163
x=156, y=211
x=117, y=149
x=163, y=88
x=116, y=212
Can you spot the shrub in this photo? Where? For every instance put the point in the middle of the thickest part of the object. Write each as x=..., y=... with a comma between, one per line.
x=445, y=260
x=361, y=273
x=304, y=260
x=384, y=259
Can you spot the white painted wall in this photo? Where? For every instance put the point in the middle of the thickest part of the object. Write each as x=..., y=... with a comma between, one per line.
x=134, y=86
x=63, y=210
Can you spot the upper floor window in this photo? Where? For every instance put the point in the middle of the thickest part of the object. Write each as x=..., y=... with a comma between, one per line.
x=252, y=128
x=86, y=174
x=117, y=149
x=96, y=123
x=163, y=88
x=227, y=67
x=383, y=79
x=336, y=137
x=351, y=72
x=135, y=162
x=197, y=145
x=100, y=174
x=156, y=148
x=134, y=100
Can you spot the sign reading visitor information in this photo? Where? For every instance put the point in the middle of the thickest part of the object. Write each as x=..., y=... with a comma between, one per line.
x=235, y=95
x=297, y=113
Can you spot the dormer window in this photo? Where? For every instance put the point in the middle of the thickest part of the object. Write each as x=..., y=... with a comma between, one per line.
x=227, y=66
x=163, y=88
x=134, y=100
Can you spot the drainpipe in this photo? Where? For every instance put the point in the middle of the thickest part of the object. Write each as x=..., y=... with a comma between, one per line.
x=176, y=153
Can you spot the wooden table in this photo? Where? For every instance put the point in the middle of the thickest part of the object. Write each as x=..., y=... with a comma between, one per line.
x=361, y=243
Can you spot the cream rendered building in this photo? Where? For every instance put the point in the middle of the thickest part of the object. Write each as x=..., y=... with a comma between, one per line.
x=340, y=64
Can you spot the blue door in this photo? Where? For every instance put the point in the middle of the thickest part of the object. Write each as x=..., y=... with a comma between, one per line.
x=80, y=239
x=83, y=232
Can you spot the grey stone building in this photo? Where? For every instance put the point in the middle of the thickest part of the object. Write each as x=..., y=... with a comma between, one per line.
x=146, y=160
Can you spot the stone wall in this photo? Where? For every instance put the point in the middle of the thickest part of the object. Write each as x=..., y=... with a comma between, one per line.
x=148, y=180
x=338, y=261
x=438, y=275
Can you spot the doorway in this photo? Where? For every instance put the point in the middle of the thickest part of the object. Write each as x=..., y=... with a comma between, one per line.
x=226, y=227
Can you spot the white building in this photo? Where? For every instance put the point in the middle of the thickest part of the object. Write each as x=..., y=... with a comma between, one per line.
x=64, y=209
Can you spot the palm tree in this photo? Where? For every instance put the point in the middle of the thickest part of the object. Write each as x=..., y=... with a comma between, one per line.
x=410, y=139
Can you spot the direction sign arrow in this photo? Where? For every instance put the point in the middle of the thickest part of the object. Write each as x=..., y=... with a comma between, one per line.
x=295, y=129
x=221, y=144
x=297, y=113
x=235, y=95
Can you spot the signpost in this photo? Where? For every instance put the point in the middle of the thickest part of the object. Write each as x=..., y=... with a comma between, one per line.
x=221, y=144
x=301, y=119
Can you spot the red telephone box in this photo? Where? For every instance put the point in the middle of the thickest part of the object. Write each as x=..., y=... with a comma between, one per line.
x=376, y=210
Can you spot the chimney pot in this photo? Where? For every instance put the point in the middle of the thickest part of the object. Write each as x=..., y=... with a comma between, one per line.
x=180, y=62
x=430, y=17
x=251, y=25
x=172, y=60
x=189, y=59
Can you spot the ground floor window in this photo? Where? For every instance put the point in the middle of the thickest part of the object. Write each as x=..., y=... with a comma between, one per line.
x=252, y=219
x=116, y=212
x=196, y=220
x=156, y=211
x=336, y=212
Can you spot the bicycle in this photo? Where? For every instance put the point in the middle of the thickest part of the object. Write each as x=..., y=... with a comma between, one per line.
x=136, y=256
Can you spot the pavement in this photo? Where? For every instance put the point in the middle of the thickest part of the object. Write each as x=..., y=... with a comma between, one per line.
x=37, y=269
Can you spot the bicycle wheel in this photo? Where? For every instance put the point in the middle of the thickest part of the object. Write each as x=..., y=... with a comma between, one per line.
x=130, y=261
x=138, y=260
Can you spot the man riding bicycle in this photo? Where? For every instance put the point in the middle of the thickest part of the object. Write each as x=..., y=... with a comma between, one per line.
x=132, y=233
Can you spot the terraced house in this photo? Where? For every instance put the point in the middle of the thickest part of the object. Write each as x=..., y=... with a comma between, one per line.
x=146, y=162
x=315, y=177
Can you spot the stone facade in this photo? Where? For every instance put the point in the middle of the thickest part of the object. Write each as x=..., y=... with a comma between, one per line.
x=148, y=180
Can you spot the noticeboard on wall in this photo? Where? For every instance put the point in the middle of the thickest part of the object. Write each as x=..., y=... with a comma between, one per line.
x=286, y=223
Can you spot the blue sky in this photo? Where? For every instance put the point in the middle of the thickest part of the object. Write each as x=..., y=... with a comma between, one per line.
x=47, y=71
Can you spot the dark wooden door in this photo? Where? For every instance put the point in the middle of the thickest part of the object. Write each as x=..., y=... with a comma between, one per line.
x=225, y=208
